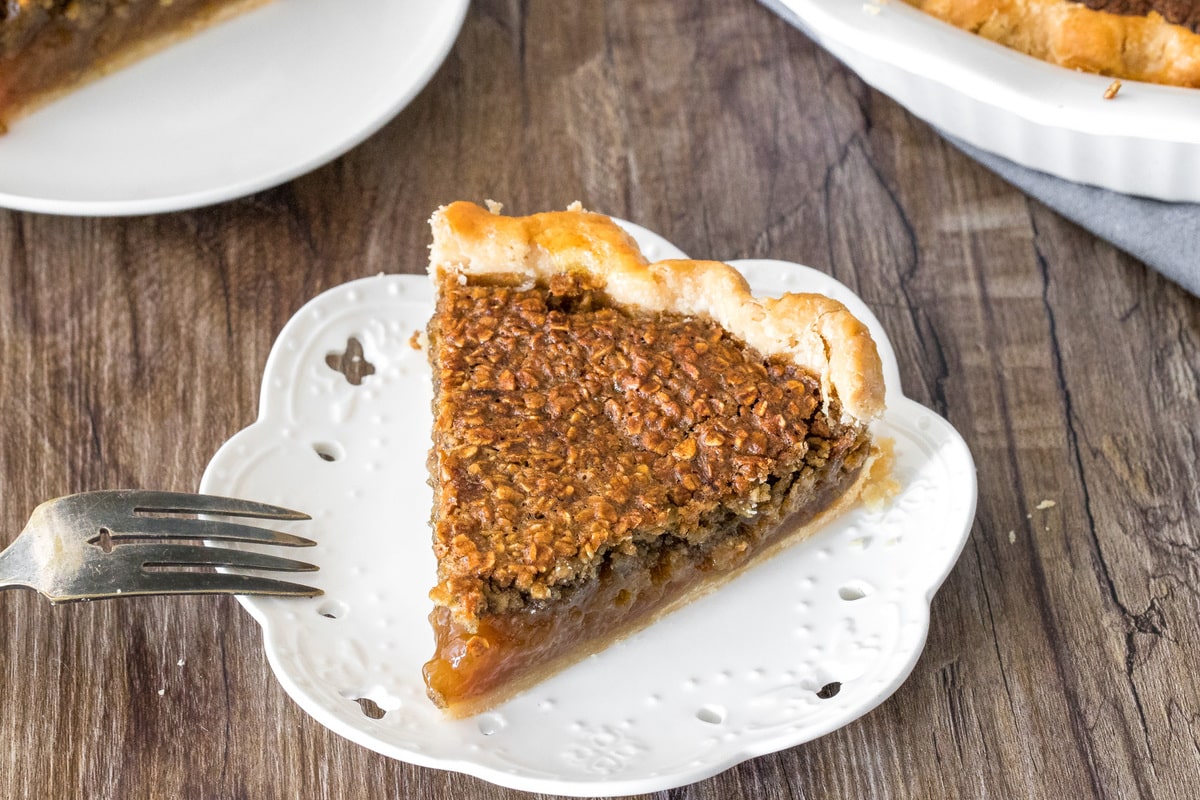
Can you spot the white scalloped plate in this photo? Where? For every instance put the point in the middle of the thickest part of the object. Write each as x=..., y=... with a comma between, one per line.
x=730, y=677
x=1145, y=142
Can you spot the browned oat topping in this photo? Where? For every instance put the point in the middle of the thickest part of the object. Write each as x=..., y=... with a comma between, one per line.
x=568, y=429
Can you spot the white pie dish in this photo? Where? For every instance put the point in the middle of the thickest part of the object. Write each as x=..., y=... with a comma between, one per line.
x=1145, y=141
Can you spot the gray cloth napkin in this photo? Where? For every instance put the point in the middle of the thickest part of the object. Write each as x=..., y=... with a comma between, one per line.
x=1166, y=236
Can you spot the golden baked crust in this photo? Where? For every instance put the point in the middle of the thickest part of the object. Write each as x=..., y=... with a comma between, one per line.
x=811, y=330
x=1135, y=46
x=605, y=450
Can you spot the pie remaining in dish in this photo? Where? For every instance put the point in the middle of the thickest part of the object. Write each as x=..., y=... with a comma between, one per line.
x=1146, y=40
x=613, y=438
x=50, y=47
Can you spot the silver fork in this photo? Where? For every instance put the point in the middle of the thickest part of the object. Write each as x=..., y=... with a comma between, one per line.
x=118, y=544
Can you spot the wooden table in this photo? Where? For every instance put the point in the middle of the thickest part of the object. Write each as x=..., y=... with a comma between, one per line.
x=1061, y=660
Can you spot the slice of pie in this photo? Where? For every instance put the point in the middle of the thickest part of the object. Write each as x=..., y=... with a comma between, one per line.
x=1146, y=40
x=50, y=47
x=614, y=438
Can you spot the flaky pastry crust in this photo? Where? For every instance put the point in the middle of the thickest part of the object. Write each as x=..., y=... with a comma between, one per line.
x=1136, y=46
x=812, y=330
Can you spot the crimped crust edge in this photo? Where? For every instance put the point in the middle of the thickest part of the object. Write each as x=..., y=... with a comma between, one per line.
x=812, y=330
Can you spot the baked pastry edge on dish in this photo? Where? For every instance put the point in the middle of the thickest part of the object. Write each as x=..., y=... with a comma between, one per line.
x=1142, y=47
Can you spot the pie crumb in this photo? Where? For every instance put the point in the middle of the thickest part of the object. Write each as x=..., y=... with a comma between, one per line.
x=414, y=341
x=1042, y=506
x=882, y=486
x=1111, y=91
x=1012, y=537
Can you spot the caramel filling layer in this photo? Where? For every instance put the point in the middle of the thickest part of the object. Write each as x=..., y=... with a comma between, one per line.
x=514, y=650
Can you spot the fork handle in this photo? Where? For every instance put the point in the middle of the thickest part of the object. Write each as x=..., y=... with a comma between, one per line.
x=16, y=565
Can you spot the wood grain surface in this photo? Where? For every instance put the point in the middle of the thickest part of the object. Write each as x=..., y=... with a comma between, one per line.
x=1062, y=655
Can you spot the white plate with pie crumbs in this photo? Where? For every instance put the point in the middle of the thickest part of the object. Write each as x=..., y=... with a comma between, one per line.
x=791, y=650
x=1144, y=141
x=244, y=105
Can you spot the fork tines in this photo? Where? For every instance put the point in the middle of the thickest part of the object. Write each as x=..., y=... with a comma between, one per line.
x=183, y=503
x=126, y=514
x=136, y=526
